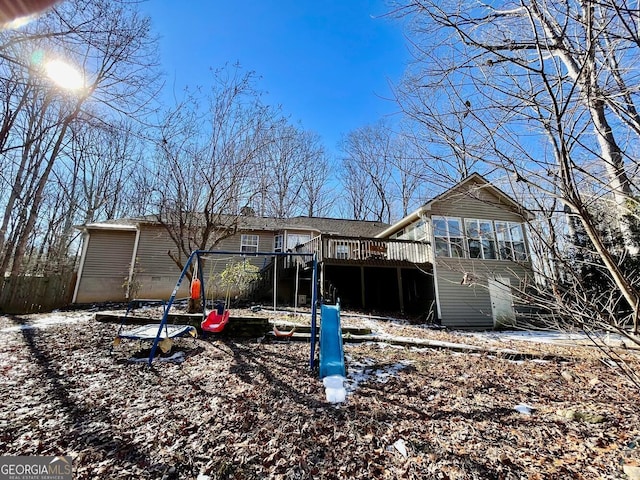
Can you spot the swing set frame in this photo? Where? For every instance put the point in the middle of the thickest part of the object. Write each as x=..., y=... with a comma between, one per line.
x=195, y=257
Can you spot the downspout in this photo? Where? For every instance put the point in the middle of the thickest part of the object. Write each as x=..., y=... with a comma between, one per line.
x=133, y=262
x=85, y=246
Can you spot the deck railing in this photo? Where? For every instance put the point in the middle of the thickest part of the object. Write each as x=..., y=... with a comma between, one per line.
x=350, y=248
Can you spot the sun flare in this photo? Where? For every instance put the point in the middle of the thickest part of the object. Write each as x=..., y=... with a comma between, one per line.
x=64, y=75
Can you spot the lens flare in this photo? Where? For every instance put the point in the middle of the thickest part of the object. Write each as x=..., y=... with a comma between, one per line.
x=64, y=75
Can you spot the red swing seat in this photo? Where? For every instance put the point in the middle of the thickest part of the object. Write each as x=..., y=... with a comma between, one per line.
x=215, y=322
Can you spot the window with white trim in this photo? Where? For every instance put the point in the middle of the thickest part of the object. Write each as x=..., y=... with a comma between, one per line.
x=249, y=243
x=295, y=239
x=416, y=231
x=342, y=251
x=481, y=241
x=447, y=233
x=510, y=238
x=277, y=242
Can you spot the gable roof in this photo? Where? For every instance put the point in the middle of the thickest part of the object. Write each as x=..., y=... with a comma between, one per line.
x=473, y=178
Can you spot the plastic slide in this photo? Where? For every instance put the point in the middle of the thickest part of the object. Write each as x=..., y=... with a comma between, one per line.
x=331, y=351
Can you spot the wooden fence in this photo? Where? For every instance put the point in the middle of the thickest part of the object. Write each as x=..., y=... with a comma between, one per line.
x=35, y=294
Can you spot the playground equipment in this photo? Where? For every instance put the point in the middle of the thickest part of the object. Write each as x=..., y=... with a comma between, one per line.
x=282, y=334
x=219, y=316
x=217, y=320
x=151, y=331
x=332, y=368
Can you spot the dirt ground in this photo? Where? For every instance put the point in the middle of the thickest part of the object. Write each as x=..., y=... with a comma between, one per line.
x=249, y=409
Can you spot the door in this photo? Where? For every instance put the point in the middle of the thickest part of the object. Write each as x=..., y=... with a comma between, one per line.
x=501, y=302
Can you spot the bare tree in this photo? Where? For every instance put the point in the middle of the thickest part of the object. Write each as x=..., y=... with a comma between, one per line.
x=379, y=176
x=280, y=177
x=209, y=151
x=550, y=87
x=111, y=44
x=446, y=146
x=316, y=196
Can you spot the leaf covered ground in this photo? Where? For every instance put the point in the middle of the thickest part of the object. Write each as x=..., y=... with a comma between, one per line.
x=243, y=409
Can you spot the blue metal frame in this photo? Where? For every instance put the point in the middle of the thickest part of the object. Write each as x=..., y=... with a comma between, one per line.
x=198, y=253
x=314, y=311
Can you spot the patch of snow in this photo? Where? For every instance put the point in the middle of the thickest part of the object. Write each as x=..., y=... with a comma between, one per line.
x=401, y=447
x=365, y=371
x=524, y=409
x=543, y=336
x=177, y=357
x=51, y=319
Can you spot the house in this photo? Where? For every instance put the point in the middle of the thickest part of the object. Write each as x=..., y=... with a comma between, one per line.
x=128, y=258
x=455, y=261
x=480, y=252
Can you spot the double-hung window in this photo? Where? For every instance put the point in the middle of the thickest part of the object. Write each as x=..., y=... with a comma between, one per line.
x=481, y=241
x=510, y=241
x=447, y=232
x=277, y=242
x=249, y=243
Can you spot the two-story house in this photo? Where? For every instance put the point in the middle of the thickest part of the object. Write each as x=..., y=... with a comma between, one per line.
x=480, y=252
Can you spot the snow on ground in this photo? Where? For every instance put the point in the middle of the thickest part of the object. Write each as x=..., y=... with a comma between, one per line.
x=47, y=320
x=550, y=337
x=368, y=370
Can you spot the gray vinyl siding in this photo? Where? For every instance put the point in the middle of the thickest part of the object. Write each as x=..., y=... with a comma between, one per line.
x=214, y=264
x=469, y=306
x=106, y=266
x=480, y=204
x=158, y=274
x=464, y=306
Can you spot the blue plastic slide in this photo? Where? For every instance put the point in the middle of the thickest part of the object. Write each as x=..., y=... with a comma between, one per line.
x=331, y=351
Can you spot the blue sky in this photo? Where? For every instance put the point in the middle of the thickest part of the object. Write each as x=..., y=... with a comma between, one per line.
x=328, y=63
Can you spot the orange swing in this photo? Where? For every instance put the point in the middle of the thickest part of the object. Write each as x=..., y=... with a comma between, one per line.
x=281, y=334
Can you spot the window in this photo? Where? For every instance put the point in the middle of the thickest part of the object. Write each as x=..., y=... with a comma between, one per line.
x=481, y=241
x=277, y=243
x=448, y=237
x=510, y=241
x=295, y=239
x=342, y=251
x=249, y=243
x=416, y=232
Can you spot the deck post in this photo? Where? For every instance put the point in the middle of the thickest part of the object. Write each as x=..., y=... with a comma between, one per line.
x=400, y=295
x=363, y=293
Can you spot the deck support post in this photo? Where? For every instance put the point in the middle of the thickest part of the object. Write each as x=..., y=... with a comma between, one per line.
x=400, y=296
x=362, y=292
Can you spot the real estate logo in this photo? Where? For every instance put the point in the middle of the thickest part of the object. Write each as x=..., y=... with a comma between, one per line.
x=35, y=468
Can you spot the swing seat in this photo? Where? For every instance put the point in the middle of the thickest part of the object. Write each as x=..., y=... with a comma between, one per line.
x=215, y=322
x=281, y=334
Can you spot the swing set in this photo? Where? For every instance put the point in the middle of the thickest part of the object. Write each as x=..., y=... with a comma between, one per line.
x=217, y=319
